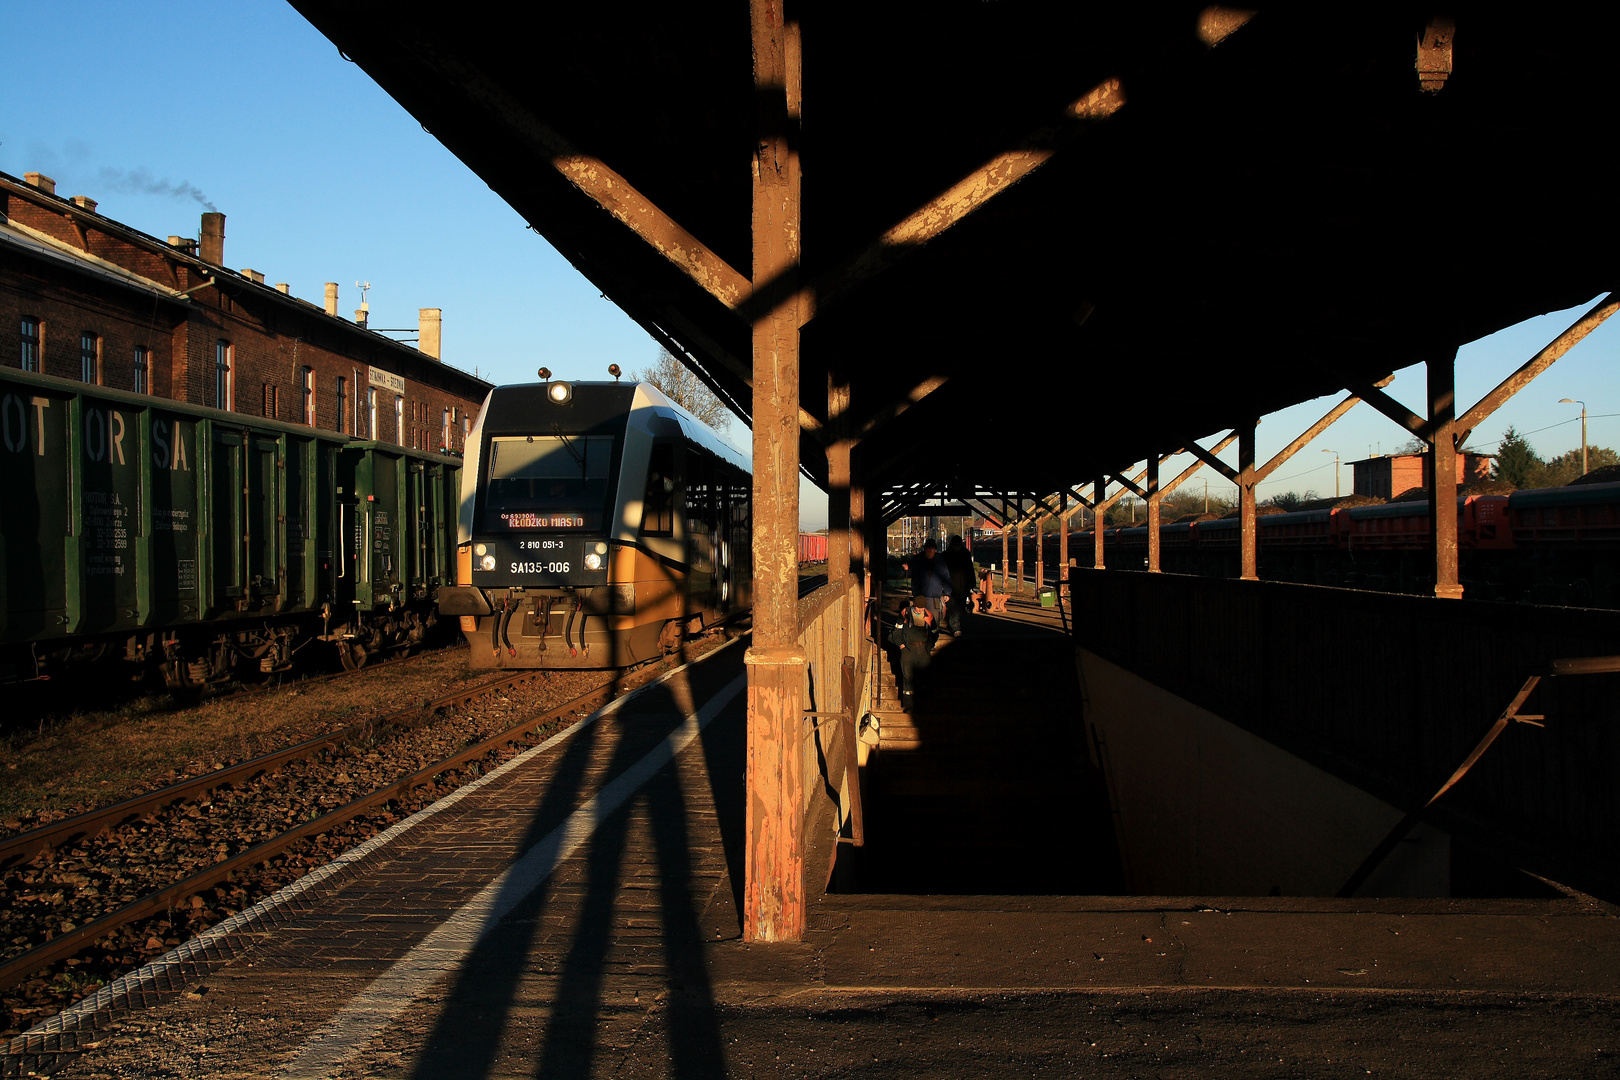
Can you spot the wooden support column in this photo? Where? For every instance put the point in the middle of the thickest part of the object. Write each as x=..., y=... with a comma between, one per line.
x=1040, y=552
x=838, y=479
x=1443, y=475
x=1006, y=523
x=1063, y=546
x=1248, y=535
x=1018, y=583
x=1099, y=493
x=1153, y=497
x=774, y=896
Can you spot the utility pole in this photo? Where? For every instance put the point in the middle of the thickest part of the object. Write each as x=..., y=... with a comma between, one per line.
x=1335, y=454
x=1582, y=404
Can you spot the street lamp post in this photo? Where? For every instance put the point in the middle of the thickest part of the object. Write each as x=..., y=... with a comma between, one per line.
x=1335, y=454
x=1582, y=404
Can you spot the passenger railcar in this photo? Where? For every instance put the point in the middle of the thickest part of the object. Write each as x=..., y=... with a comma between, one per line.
x=152, y=534
x=600, y=522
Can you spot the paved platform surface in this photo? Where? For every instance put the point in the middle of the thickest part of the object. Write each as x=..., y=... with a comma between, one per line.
x=615, y=951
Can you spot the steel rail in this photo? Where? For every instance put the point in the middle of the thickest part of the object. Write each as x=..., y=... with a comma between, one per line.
x=25, y=846
x=65, y=945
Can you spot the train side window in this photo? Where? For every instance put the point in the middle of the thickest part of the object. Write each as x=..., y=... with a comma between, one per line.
x=658, y=503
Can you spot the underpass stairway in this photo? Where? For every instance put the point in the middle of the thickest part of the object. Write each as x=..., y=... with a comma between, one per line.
x=986, y=786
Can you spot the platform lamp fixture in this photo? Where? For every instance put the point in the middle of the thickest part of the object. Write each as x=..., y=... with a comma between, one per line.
x=1582, y=404
x=1335, y=454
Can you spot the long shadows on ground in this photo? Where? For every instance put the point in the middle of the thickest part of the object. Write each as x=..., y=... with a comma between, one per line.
x=579, y=968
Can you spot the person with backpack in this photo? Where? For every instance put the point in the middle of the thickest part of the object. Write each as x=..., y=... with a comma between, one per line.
x=930, y=581
x=913, y=636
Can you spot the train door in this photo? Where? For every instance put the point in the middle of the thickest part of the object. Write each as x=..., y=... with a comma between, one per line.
x=348, y=535
x=294, y=515
x=176, y=515
x=383, y=526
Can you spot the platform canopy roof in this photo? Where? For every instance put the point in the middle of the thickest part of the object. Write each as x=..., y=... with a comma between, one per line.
x=1046, y=239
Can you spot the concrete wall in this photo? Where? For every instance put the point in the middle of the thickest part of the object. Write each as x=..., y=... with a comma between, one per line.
x=1206, y=808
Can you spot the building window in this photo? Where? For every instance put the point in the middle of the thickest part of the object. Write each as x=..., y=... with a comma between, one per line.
x=143, y=362
x=309, y=396
x=399, y=419
x=30, y=343
x=224, y=375
x=466, y=430
x=89, y=358
x=272, y=401
x=342, y=402
x=371, y=413
x=444, y=432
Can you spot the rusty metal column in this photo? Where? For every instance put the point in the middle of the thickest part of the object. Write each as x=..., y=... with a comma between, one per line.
x=1063, y=546
x=1153, y=512
x=774, y=896
x=1006, y=523
x=838, y=480
x=1099, y=491
x=1018, y=583
x=1443, y=476
x=1247, y=534
x=1040, y=555
x=857, y=519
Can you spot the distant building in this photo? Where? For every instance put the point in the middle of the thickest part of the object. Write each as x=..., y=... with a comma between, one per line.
x=1388, y=475
x=94, y=300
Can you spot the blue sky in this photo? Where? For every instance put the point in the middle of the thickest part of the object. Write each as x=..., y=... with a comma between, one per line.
x=153, y=108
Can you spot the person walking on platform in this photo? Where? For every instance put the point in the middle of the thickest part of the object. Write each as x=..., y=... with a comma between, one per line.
x=959, y=566
x=930, y=581
x=913, y=636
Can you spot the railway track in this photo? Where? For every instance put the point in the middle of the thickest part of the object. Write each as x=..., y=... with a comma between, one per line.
x=21, y=855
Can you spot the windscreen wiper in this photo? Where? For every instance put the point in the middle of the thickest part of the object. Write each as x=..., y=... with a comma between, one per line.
x=556, y=429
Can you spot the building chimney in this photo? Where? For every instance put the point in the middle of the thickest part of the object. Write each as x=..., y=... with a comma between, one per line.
x=429, y=322
x=41, y=181
x=283, y=288
x=331, y=298
x=361, y=314
x=85, y=202
x=213, y=238
x=253, y=276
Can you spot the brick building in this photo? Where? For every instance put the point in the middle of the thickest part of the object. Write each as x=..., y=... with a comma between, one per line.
x=1388, y=475
x=91, y=299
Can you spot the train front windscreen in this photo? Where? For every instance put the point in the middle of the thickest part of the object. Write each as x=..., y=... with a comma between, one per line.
x=548, y=482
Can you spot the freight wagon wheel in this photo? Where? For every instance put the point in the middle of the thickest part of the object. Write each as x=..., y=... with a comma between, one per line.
x=353, y=655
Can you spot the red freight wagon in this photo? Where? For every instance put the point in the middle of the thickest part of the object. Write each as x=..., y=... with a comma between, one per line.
x=812, y=548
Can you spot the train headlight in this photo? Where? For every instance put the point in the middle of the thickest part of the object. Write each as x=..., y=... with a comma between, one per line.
x=487, y=562
x=593, y=561
x=560, y=393
x=600, y=548
x=480, y=550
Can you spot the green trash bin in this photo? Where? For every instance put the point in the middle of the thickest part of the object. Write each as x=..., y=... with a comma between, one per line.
x=1048, y=596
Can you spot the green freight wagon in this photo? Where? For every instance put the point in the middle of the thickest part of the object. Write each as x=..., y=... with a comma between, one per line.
x=204, y=544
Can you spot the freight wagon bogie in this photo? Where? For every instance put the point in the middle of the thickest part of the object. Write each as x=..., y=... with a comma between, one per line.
x=146, y=538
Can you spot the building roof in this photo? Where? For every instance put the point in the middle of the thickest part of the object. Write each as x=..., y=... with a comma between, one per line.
x=32, y=242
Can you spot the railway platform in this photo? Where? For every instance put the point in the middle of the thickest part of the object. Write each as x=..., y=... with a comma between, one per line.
x=575, y=914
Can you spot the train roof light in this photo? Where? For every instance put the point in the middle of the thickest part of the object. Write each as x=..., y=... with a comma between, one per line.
x=545, y=374
x=615, y=371
x=560, y=393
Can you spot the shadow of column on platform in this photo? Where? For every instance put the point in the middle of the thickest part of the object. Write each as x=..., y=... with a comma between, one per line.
x=577, y=1011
